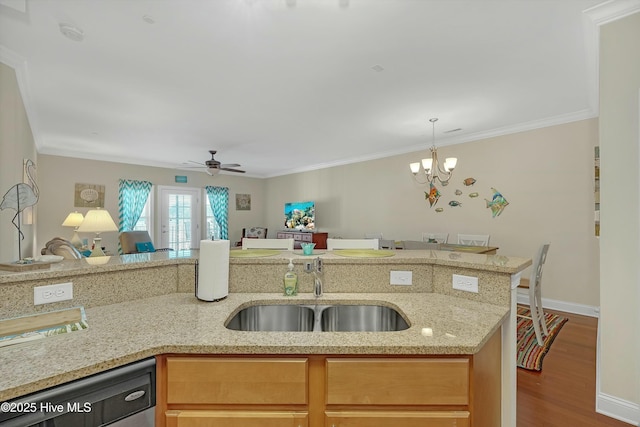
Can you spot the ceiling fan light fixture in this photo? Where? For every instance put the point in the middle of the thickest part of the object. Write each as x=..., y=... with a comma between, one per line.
x=214, y=167
x=72, y=32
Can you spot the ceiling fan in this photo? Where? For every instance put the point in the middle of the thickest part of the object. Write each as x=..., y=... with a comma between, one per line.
x=214, y=167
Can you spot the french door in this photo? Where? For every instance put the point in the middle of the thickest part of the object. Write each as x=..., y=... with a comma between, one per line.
x=179, y=217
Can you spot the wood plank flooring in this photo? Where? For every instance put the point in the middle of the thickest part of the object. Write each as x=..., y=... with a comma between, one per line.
x=563, y=394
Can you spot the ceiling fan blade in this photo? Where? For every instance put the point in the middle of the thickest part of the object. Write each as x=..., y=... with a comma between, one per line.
x=230, y=165
x=232, y=170
x=197, y=163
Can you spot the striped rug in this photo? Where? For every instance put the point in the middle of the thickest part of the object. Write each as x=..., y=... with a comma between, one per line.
x=530, y=354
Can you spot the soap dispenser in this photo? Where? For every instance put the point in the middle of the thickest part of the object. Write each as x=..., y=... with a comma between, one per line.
x=290, y=281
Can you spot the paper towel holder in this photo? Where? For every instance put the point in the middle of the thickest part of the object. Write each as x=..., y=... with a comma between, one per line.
x=196, y=287
x=197, y=265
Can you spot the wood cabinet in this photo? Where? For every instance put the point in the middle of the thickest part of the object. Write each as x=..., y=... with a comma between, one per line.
x=331, y=390
x=320, y=239
x=393, y=381
x=237, y=381
x=197, y=418
x=397, y=418
x=234, y=391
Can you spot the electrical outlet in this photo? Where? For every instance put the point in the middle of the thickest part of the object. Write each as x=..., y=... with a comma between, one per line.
x=52, y=293
x=401, y=278
x=465, y=283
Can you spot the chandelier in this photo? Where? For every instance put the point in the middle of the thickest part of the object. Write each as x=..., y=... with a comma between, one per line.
x=431, y=167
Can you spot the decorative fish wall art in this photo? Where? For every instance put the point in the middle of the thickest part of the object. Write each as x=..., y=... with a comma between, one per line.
x=497, y=203
x=433, y=195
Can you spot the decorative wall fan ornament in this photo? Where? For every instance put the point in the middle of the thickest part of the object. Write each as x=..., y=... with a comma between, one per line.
x=214, y=167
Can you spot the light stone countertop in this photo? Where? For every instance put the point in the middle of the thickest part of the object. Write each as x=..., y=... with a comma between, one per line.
x=66, y=268
x=178, y=323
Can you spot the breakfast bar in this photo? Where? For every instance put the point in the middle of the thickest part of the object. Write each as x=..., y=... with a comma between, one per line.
x=144, y=306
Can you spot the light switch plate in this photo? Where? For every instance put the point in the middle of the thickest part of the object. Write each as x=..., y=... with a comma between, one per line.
x=465, y=283
x=401, y=278
x=52, y=293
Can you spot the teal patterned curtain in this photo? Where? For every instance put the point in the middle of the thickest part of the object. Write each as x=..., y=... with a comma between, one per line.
x=219, y=200
x=132, y=196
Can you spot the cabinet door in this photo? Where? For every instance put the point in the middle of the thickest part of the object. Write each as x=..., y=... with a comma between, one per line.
x=320, y=239
x=399, y=418
x=389, y=381
x=193, y=418
x=244, y=380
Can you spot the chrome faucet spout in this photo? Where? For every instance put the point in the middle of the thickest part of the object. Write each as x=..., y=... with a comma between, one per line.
x=317, y=280
x=317, y=285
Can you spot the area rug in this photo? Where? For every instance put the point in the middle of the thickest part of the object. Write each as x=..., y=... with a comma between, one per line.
x=530, y=354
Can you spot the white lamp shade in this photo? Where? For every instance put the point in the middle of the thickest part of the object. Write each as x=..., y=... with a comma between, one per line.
x=74, y=219
x=450, y=163
x=426, y=164
x=415, y=167
x=97, y=221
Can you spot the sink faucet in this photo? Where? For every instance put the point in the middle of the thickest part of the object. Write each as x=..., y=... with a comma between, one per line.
x=317, y=279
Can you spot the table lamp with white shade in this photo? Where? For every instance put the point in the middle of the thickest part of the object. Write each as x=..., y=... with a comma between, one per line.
x=97, y=221
x=74, y=219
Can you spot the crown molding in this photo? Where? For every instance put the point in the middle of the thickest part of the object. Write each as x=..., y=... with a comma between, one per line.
x=19, y=5
x=612, y=10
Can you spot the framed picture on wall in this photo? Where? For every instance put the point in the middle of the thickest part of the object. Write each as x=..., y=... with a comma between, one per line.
x=89, y=196
x=596, y=190
x=243, y=202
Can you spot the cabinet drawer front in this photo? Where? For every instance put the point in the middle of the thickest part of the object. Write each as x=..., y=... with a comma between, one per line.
x=397, y=382
x=237, y=380
x=305, y=237
x=399, y=418
x=235, y=419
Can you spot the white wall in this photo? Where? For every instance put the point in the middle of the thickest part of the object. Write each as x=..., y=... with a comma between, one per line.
x=16, y=144
x=62, y=173
x=545, y=174
x=619, y=358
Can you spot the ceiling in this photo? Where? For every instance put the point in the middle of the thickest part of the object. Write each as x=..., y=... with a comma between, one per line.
x=282, y=86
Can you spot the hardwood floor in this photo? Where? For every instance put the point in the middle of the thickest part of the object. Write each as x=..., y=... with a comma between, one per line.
x=563, y=394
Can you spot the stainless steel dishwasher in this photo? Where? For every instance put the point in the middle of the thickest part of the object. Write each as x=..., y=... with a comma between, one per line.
x=121, y=397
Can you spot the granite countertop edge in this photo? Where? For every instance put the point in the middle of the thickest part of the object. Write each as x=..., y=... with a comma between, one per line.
x=70, y=268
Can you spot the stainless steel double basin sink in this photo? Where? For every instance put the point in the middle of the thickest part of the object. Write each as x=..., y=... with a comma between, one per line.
x=318, y=318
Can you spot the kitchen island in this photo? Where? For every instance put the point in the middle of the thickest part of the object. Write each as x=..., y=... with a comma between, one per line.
x=175, y=322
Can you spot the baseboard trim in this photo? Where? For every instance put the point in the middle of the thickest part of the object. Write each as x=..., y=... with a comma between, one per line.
x=617, y=408
x=567, y=307
x=612, y=406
